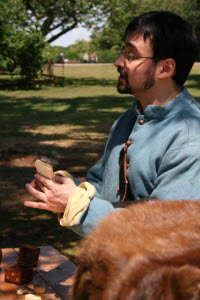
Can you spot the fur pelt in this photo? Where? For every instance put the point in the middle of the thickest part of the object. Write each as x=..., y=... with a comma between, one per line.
x=149, y=251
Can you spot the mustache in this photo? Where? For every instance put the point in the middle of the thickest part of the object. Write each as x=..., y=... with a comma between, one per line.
x=121, y=72
x=124, y=75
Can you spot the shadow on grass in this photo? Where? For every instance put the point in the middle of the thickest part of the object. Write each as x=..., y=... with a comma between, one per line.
x=36, y=227
x=87, y=121
x=23, y=225
x=91, y=113
x=193, y=81
x=21, y=84
x=84, y=121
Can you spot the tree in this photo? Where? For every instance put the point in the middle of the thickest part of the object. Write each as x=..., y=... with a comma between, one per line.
x=26, y=23
x=120, y=13
x=19, y=48
x=7, y=37
x=54, y=18
x=30, y=55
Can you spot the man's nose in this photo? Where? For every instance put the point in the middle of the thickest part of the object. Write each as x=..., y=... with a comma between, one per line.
x=119, y=61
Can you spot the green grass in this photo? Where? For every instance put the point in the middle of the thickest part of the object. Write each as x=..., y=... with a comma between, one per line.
x=67, y=121
x=94, y=72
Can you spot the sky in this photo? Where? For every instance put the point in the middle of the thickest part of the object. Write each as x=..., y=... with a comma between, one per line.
x=72, y=36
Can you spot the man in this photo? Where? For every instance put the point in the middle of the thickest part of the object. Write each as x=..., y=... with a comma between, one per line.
x=61, y=58
x=161, y=131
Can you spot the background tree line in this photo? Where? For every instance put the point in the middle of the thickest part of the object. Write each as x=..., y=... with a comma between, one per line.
x=75, y=52
x=27, y=27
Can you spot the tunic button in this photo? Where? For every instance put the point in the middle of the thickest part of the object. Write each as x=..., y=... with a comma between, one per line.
x=141, y=122
x=128, y=143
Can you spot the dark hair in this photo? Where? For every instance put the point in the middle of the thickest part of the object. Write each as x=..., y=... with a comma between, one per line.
x=171, y=37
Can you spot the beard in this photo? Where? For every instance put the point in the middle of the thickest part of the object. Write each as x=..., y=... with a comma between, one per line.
x=124, y=87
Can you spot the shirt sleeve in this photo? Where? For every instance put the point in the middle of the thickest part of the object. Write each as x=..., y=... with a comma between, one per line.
x=178, y=175
x=95, y=175
x=97, y=207
x=77, y=203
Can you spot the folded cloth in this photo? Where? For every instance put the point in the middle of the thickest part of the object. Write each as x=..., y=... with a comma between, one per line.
x=78, y=202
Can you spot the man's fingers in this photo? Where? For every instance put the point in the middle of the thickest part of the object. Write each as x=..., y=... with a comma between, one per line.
x=40, y=205
x=37, y=185
x=40, y=185
x=34, y=183
x=45, y=181
x=37, y=194
x=39, y=188
x=61, y=179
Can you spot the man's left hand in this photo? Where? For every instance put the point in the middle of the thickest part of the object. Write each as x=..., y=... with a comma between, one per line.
x=54, y=195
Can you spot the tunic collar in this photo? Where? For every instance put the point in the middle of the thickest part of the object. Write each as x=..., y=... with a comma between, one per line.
x=173, y=107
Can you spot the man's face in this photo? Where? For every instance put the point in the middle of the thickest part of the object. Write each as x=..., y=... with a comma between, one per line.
x=137, y=75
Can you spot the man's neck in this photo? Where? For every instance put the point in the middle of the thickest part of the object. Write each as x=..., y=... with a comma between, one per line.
x=161, y=96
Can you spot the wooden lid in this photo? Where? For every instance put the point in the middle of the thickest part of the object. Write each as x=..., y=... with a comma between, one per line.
x=28, y=256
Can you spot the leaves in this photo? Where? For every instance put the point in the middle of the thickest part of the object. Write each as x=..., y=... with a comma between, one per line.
x=54, y=18
x=120, y=13
x=25, y=24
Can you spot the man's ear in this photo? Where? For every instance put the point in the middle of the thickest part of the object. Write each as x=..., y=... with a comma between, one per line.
x=167, y=68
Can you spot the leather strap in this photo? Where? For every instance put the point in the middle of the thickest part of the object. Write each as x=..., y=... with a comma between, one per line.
x=126, y=197
x=125, y=193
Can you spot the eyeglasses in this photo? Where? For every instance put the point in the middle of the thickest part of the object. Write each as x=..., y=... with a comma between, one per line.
x=130, y=56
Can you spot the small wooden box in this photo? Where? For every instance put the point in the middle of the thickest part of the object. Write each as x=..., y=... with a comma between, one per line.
x=22, y=272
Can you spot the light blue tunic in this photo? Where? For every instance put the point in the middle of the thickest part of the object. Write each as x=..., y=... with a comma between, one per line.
x=164, y=157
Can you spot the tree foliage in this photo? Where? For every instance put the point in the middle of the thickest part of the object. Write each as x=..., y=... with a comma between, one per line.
x=19, y=48
x=55, y=18
x=30, y=55
x=8, y=31
x=120, y=13
x=26, y=24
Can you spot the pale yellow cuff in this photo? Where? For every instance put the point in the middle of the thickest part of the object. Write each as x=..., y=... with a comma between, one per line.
x=78, y=202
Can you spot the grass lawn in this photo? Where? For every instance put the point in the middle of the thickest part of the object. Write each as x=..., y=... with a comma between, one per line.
x=67, y=124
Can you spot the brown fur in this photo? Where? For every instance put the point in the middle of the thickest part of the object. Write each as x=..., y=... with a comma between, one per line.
x=145, y=252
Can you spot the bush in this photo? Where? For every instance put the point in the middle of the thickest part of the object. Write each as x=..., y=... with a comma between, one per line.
x=76, y=53
x=30, y=55
x=107, y=56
